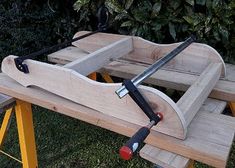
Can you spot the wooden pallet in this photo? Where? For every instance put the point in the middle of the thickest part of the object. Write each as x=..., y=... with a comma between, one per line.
x=198, y=145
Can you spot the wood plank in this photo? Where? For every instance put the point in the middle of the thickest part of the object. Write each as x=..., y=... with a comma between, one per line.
x=194, y=97
x=99, y=96
x=101, y=57
x=163, y=158
x=171, y=160
x=194, y=59
x=204, y=149
x=213, y=106
x=224, y=89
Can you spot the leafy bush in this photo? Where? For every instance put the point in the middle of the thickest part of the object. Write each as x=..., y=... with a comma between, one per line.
x=30, y=25
x=170, y=21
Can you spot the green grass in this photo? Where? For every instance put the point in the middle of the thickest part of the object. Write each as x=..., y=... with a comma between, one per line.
x=64, y=142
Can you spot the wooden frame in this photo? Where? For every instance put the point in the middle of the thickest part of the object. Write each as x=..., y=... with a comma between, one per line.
x=189, y=147
x=176, y=116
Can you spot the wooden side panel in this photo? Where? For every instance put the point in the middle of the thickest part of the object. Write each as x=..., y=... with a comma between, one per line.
x=212, y=148
x=99, y=96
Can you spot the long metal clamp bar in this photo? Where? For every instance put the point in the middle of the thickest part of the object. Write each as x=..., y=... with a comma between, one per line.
x=137, y=80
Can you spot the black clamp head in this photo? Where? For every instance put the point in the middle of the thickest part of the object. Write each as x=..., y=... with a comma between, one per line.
x=103, y=18
x=20, y=66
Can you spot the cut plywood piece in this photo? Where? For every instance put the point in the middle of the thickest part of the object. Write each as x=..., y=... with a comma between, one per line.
x=211, y=148
x=194, y=59
x=99, y=96
x=171, y=160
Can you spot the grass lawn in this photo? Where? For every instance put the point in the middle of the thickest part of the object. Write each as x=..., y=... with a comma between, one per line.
x=64, y=142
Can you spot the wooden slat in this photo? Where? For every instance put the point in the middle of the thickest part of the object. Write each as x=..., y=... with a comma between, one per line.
x=194, y=97
x=101, y=57
x=202, y=148
x=171, y=160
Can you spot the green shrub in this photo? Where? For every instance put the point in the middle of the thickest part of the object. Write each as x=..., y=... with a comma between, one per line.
x=170, y=21
x=30, y=25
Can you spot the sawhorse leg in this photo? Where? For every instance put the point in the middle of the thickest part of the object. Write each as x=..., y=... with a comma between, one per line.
x=232, y=107
x=25, y=128
x=5, y=125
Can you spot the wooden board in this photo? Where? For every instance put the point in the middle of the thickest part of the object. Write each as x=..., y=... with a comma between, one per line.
x=99, y=96
x=168, y=159
x=194, y=59
x=212, y=148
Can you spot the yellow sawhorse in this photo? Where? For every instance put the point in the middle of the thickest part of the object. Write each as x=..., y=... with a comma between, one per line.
x=24, y=120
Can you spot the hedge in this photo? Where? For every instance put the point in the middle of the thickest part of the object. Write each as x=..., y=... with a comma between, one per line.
x=170, y=21
x=30, y=25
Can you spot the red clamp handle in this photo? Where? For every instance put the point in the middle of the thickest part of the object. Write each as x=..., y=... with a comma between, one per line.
x=127, y=151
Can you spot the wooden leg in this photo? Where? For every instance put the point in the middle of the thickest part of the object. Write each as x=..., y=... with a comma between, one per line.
x=93, y=76
x=191, y=164
x=106, y=77
x=232, y=107
x=5, y=125
x=26, y=134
